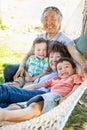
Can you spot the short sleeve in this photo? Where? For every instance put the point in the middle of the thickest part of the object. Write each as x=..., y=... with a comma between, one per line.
x=48, y=83
x=77, y=79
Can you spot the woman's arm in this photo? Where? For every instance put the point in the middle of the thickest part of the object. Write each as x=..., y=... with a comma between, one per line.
x=35, y=86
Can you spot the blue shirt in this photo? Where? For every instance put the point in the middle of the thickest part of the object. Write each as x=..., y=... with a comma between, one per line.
x=60, y=36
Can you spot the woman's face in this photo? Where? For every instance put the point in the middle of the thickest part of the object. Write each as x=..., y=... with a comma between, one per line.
x=53, y=58
x=50, y=22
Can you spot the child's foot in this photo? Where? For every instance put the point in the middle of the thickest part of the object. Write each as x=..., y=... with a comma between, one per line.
x=16, y=84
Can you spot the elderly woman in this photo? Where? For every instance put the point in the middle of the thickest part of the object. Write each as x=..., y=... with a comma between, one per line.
x=51, y=20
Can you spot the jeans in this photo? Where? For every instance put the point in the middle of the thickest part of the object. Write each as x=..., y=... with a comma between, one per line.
x=10, y=71
x=11, y=94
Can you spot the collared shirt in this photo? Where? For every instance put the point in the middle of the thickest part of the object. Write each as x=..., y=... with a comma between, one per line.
x=35, y=66
x=60, y=36
x=63, y=86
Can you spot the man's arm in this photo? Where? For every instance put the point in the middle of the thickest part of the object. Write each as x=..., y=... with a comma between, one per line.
x=20, y=71
x=76, y=54
x=22, y=64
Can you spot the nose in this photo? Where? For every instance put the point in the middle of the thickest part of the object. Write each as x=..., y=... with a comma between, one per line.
x=49, y=21
x=42, y=52
x=54, y=59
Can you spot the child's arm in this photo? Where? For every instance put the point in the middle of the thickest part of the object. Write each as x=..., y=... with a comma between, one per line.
x=30, y=78
x=36, y=86
x=37, y=76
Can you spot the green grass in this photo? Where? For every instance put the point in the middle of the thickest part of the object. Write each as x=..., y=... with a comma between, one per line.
x=78, y=119
x=9, y=55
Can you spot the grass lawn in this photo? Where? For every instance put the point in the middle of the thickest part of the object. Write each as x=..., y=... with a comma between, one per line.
x=12, y=51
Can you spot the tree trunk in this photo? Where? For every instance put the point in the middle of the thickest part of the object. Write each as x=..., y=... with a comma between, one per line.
x=84, y=22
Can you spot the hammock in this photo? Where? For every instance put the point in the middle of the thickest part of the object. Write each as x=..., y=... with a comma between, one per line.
x=55, y=119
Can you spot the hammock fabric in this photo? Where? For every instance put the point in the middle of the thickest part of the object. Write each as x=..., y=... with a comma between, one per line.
x=55, y=119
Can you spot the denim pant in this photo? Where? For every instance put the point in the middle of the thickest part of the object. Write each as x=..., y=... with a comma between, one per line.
x=11, y=94
x=10, y=71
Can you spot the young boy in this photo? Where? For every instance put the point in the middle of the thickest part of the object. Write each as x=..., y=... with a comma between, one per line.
x=61, y=87
x=36, y=64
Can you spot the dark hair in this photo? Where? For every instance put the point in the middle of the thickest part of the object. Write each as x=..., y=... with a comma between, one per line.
x=59, y=47
x=54, y=9
x=39, y=40
x=67, y=59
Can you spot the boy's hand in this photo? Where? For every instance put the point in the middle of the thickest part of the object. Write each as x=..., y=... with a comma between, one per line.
x=84, y=72
x=59, y=100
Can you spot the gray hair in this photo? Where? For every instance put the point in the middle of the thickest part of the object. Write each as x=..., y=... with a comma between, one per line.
x=60, y=16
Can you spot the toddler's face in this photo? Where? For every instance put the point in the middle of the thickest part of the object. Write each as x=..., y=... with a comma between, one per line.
x=40, y=50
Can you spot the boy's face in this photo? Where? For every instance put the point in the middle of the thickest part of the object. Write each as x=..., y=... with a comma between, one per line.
x=40, y=50
x=53, y=58
x=65, y=69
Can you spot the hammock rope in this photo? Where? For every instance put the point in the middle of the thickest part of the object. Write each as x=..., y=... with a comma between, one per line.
x=55, y=119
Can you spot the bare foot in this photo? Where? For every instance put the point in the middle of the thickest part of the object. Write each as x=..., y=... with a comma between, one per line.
x=16, y=84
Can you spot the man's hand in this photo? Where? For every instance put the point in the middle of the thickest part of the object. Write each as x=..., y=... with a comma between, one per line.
x=20, y=72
